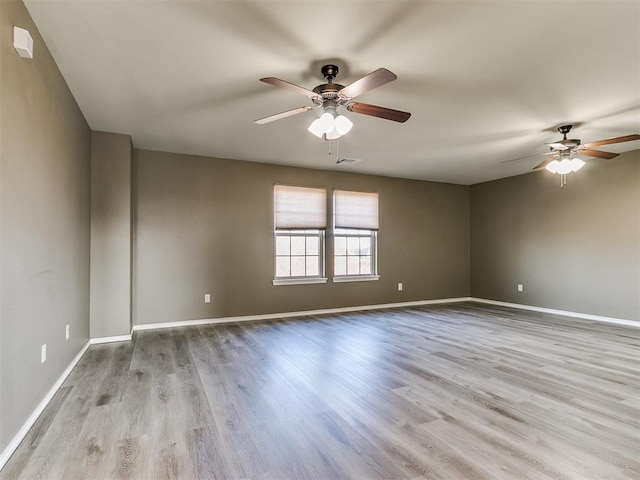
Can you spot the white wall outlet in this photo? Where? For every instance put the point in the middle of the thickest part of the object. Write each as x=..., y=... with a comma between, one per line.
x=66, y=332
x=43, y=353
x=207, y=298
x=399, y=287
x=520, y=287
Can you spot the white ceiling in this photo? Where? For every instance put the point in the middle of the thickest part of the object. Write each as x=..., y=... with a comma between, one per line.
x=486, y=81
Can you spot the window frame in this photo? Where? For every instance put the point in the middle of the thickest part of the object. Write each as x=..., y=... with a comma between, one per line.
x=360, y=214
x=359, y=233
x=305, y=233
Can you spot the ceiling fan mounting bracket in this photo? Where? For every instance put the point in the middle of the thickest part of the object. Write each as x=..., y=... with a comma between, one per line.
x=564, y=129
x=329, y=72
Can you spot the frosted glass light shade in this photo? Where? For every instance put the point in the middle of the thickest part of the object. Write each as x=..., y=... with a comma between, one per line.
x=553, y=166
x=326, y=122
x=316, y=128
x=565, y=167
x=343, y=124
x=576, y=164
x=333, y=135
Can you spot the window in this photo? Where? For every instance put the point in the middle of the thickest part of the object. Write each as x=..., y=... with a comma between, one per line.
x=298, y=253
x=355, y=235
x=354, y=252
x=300, y=215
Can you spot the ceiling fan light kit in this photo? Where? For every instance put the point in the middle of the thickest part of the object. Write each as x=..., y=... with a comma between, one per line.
x=564, y=166
x=329, y=126
x=330, y=96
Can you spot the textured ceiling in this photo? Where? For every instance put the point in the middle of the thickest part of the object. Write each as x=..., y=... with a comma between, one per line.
x=486, y=81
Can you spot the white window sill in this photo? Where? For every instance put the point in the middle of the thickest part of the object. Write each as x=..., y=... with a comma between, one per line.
x=298, y=281
x=356, y=278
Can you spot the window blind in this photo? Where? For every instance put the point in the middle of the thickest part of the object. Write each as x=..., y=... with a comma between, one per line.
x=300, y=207
x=355, y=210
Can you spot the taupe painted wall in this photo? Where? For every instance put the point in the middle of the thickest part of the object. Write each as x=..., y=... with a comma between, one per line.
x=205, y=225
x=575, y=248
x=110, y=300
x=44, y=224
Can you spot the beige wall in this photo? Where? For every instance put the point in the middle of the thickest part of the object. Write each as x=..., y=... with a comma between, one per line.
x=205, y=225
x=44, y=224
x=575, y=248
x=110, y=300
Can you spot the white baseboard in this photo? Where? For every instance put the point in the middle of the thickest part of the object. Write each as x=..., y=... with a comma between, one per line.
x=118, y=338
x=585, y=316
x=276, y=316
x=15, y=441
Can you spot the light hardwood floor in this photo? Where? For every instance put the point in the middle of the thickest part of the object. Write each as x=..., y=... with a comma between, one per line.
x=458, y=391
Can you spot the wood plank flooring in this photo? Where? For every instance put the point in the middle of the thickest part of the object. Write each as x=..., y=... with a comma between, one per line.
x=457, y=391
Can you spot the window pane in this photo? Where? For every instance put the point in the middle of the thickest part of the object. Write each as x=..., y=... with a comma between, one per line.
x=365, y=266
x=298, y=266
x=282, y=245
x=297, y=245
x=353, y=246
x=282, y=267
x=340, y=245
x=340, y=266
x=365, y=245
x=313, y=246
x=313, y=266
x=353, y=265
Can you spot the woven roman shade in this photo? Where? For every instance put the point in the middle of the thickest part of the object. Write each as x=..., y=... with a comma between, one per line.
x=355, y=210
x=300, y=207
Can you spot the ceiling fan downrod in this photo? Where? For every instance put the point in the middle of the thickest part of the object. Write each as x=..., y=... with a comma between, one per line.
x=564, y=129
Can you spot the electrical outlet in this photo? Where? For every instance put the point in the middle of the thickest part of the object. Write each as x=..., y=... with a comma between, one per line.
x=66, y=332
x=520, y=287
x=399, y=287
x=43, y=353
x=207, y=298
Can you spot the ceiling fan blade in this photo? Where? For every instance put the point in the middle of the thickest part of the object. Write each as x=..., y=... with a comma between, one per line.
x=276, y=82
x=627, y=138
x=546, y=162
x=557, y=146
x=597, y=153
x=280, y=115
x=380, y=112
x=368, y=82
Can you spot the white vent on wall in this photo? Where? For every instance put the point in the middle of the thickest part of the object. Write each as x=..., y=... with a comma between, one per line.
x=22, y=42
x=348, y=161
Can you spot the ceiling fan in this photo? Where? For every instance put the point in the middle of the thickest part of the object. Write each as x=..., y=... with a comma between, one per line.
x=564, y=153
x=329, y=96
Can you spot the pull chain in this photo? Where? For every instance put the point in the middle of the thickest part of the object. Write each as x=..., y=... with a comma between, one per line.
x=563, y=180
x=337, y=148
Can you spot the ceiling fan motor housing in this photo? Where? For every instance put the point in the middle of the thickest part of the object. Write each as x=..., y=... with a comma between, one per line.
x=565, y=143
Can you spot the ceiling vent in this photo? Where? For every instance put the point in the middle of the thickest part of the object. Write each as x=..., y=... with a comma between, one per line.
x=348, y=161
